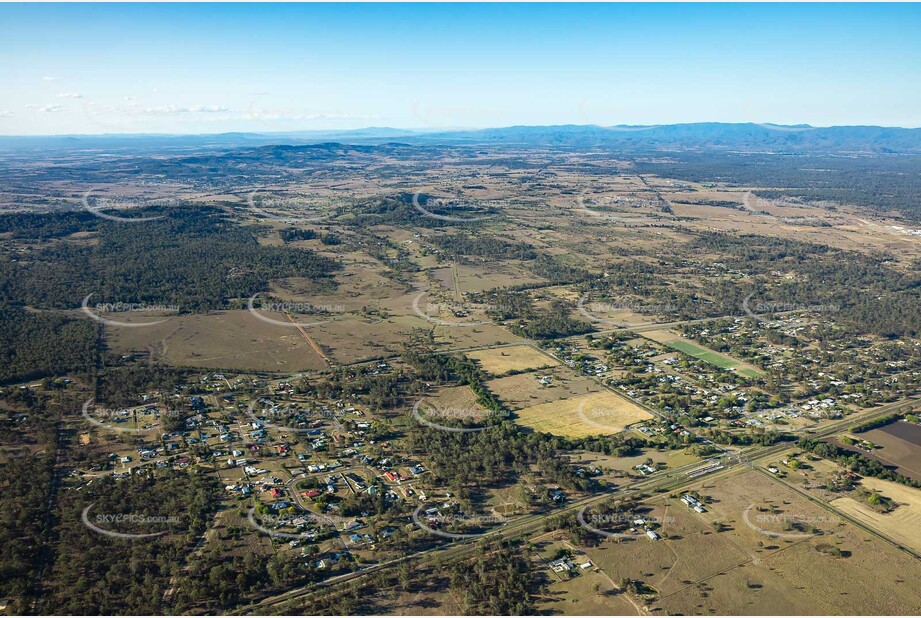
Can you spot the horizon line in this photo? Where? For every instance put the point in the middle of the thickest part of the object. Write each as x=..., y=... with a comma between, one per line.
x=424, y=130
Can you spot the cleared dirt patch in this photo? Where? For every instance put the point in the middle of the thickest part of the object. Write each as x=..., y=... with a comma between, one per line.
x=901, y=442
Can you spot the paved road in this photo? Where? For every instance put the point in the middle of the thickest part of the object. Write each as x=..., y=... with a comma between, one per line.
x=746, y=460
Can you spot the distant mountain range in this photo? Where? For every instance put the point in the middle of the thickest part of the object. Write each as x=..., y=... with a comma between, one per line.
x=706, y=135
x=730, y=137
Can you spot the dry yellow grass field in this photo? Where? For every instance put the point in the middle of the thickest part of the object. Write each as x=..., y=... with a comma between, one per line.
x=597, y=413
x=499, y=361
x=671, y=458
x=457, y=401
x=473, y=336
x=352, y=338
x=222, y=339
x=461, y=278
x=661, y=336
x=524, y=390
x=699, y=571
x=902, y=525
x=590, y=593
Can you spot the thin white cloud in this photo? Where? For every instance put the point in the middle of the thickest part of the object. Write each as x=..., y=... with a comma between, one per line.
x=209, y=109
x=179, y=109
x=48, y=78
x=50, y=109
x=132, y=111
x=70, y=95
x=5, y=113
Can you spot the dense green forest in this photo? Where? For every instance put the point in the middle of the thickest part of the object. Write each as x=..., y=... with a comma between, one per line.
x=858, y=289
x=500, y=454
x=35, y=226
x=26, y=483
x=32, y=441
x=123, y=385
x=292, y=234
x=497, y=582
x=883, y=182
x=97, y=574
x=38, y=344
x=399, y=210
x=482, y=245
x=524, y=318
x=193, y=258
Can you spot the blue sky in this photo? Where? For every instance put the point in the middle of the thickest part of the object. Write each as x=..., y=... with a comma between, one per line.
x=256, y=67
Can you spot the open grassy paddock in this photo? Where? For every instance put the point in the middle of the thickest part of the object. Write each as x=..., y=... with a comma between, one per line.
x=597, y=413
x=499, y=361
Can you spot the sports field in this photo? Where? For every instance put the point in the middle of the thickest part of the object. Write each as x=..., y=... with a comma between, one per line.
x=677, y=342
